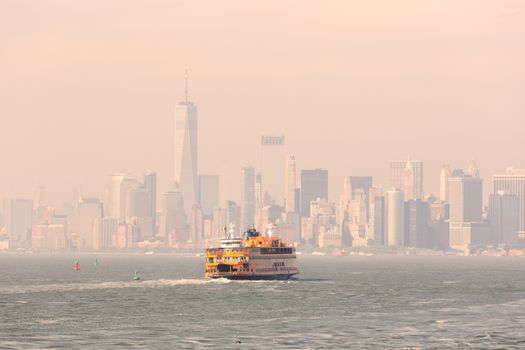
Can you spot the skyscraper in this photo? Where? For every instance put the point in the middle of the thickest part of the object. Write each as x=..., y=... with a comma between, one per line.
x=503, y=217
x=290, y=177
x=513, y=182
x=19, y=219
x=354, y=185
x=113, y=200
x=395, y=218
x=259, y=200
x=407, y=175
x=375, y=232
x=417, y=219
x=272, y=166
x=196, y=224
x=137, y=202
x=186, y=160
x=247, y=198
x=314, y=184
x=233, y=216
x=118, y=187
x=355, y=188
x=465, y=209
x=472, y=169
x=127, y=185
x=174, y=226
x=138, y=209
x=409, y=183
x=150, y=183
x=48, y=237
x=209, y=194
x=89, y=209
x=443, y=183
x=104, y=232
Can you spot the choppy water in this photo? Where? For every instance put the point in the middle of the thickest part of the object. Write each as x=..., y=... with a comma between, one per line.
x=337, y=302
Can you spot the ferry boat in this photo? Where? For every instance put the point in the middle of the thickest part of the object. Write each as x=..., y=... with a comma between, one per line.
x=250, y=257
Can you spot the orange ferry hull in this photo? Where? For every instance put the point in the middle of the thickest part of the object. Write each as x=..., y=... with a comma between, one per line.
x=286, y=276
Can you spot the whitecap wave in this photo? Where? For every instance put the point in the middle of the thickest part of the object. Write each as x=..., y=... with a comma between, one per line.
x=110, y=285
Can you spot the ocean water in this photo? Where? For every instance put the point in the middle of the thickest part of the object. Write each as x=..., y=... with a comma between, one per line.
x=377, y=302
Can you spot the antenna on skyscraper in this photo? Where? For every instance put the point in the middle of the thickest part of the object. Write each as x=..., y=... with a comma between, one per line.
x=186, y=91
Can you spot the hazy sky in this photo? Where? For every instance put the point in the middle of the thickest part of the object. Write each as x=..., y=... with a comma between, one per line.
x=88, y=88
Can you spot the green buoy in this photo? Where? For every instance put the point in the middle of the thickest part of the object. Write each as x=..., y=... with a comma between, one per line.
x=136, y=276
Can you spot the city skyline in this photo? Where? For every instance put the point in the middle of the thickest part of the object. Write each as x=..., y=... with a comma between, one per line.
x=447, y=94
x=194, y=214
x=262, y=174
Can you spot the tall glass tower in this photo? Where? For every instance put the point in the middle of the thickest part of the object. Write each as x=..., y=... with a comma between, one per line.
x=186, y=152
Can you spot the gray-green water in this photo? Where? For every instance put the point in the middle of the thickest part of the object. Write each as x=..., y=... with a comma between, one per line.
x=336, y=302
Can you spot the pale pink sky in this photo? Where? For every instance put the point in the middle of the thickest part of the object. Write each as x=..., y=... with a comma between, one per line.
x=88, y=88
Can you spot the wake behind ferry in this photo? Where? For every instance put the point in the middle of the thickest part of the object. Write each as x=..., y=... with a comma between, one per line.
x=253, y=256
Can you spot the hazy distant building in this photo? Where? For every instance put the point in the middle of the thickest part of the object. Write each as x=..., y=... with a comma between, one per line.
x=18, y=214
x=438, y=234
x=247, y=198
x=472, y=169
x=356, y=220
x=375, y=233
x=407, y=175
x=457, y=173
x=297, y=201
x=209, y=193
x=139, y=206
x=59, y=219
x=475, y=235
x=395, y=218
x=174, y=226
x=503, y=217
x=127, y=185
x=513, y=182
x=314, y=184
x=329, y=237
x=309, y=230
x=196, y=224
x=128, y=234
x=41, y=211
x=48, y=237
x=270, y=215
x=39, y=196
x=291, y=178
x=186, y=152
x=289, y=228
x=439, y=210
x=150, y=183
x=443, y=183
x=259, y=201
x=322, y=216
x=113, y=200
x=89, y=209
x=137, y=202
x=119, y=186
x=233, y=216
x=417, y=219
x=324, y=211
x=104, y=233
x=219, y=225
x=272, y=166
x=465, y=208
x=354, y=185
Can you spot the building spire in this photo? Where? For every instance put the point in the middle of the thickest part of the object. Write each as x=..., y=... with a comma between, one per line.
x=186, y=90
